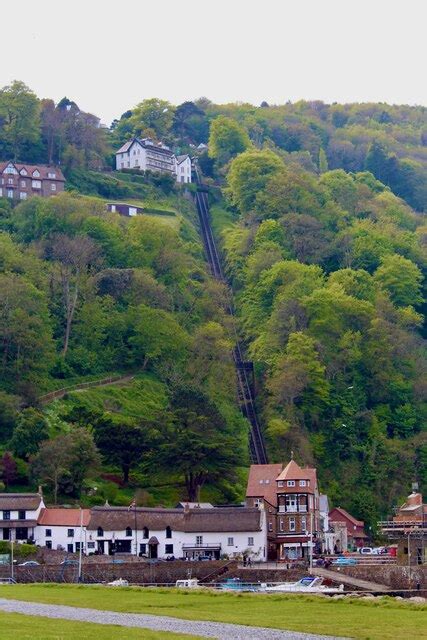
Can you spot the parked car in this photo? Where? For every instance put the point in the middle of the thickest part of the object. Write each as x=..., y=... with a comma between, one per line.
x=343, y=561
x=379, y=551
x=366, y=551
x=204, y=558
x=29, y=563
x=69, y=563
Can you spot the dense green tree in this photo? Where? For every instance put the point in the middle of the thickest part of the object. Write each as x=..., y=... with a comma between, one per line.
x=30, y=431
x=226, y=139
x=248, y=174
x=19, y=119
x=401, y=278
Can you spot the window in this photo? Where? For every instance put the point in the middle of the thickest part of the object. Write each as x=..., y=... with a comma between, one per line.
x=78, y=546
x=70, y=548
x=100, y=532
x=23, y=172
x=10, y=181
x=36, y=184
x=291, y=483
x=22, y=195
x=52, y=176
x=261, y=481
x=6, y=534
x=291, y=503
x=36, y=174
x=302, y=483
x=199, y=540
x=6, y=515
x=230, y=542
x=21, y=533
x=23, y=183
x=250, y=541
x=128, y=531
x=168, y=532
x=10, y=193
x=53, y=186
x=10, y=169
x=169, y=548
x=91, y=545
x=48, y=533
x=281, y=524
x=257, y=502
x=303, y=524
x=145, y=532
x=70, y=533
x=291, y=524
x=48, y=544
x=280, y=483
x=142, y=548
x=270, y=526
x=267, y=482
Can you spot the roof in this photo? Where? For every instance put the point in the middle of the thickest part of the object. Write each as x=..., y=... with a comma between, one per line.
x=346, y=515
x=214, y=519
x=43, y=169
x=180, y=159
x=18, y=501
x=147, y=143
x=64, y=517
x=262, y=481
x=293, y=471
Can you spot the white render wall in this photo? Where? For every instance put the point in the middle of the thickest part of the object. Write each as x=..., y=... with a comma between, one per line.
x=60, y=537
x=184, y=171
x=136, y=157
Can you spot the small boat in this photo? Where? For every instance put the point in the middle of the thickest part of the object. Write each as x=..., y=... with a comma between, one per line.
x=308, y=584
x=235, y=584
x=190, y=583
x=119, y=583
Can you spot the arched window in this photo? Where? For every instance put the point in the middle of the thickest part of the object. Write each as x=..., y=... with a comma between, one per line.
x=128, y=531
x=168, y=532
x=146, y=532
x=100, y=532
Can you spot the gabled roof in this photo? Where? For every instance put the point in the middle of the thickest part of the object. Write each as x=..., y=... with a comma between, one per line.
x=58, y=517
x=20, y=501
x=293, y=471
x=346, y=515
x=262, y=481
x=43, y=169
x=127, y=145
x=180, y=159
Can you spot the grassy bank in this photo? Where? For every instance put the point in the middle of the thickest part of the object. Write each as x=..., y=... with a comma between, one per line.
x=35, y=628
x=383, y=619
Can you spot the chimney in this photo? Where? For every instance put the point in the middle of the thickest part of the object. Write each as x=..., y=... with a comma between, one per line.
x=40, y=490
x=186, y=509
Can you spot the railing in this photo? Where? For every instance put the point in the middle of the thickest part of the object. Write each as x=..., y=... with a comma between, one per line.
x=209, y=545
x=59, y=393
x=298, y=509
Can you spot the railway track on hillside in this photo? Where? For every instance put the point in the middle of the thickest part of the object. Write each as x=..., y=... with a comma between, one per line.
x=245, y=391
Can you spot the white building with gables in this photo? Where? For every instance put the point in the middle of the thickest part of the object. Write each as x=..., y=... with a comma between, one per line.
x=147, y=155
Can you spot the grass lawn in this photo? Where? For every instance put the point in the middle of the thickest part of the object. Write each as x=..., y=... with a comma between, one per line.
x=382, y=619
x=16, y=625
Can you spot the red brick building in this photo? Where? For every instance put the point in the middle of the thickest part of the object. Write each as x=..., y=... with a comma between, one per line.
x=290, y=497
x=21, y=181
x=356, y=535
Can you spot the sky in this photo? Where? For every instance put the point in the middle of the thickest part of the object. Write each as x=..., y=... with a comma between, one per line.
x=109, y=56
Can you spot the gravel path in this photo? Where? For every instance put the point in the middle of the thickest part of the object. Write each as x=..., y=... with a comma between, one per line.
x=219, y=630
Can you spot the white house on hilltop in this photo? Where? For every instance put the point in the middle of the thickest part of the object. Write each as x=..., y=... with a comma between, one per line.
x=147, y=155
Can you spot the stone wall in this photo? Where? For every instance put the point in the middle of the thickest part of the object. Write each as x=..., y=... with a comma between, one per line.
x=395, y=576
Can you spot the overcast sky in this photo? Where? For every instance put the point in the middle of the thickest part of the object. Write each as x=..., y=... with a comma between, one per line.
x=108, y=56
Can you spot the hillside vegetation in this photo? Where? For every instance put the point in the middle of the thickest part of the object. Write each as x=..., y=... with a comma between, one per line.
x=319, y=211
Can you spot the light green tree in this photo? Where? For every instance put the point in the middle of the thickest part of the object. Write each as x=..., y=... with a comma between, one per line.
x=226, y=139
x=401, y=278
x=19, y=117
x=249, y=174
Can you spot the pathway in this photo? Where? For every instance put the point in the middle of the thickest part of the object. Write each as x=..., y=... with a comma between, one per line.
x=350, y=580
x=219, y=630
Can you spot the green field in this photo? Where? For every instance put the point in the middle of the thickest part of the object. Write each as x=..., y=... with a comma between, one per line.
x=383, y=619
x=38, y=628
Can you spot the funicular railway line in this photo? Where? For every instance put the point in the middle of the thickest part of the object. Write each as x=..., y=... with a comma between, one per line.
x=244, y=387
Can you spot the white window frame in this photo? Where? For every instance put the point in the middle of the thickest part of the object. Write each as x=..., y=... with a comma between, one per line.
x=302, y=483
x=22, y=195
x=292, y=524
x=199, y=540
x=250, y=541
x=230, y=542
x=290, y=483
x=53, y=186
x=280, y=483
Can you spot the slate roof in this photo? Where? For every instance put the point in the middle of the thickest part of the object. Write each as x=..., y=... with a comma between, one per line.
x=217, y=519
x=20, y=501
x=43, y=169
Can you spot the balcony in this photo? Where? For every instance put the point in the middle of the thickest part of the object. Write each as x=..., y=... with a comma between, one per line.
x=302, y=508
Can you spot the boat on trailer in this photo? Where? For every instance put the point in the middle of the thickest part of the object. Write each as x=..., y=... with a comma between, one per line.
x=308, y=584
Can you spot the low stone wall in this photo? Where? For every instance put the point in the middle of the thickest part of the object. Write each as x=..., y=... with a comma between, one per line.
x=267, y=575
x=135, y=572
x=394, y=576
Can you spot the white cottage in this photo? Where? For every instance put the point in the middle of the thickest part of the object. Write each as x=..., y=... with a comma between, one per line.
x=64, y=529
x=19, y=513
x=183, y=533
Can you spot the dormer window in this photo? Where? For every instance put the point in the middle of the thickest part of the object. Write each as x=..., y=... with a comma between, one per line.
x=261, y=481
x=36, y=174
x=280, y=483
x=302, y=483
x=52, y=176
x=168, y=532
x=290, y=483
x=10, y=169
x=128, y=531
x=23, y=172
x=267, y=482
x=100, y=532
